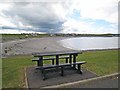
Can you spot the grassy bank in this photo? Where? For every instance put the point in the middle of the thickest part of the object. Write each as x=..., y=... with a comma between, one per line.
x=0, y=73
x=10, y=37
x=13, y=70
x=100, y=62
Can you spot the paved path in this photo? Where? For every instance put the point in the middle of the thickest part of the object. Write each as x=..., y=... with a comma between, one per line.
x=35, y=79
x=110, y=82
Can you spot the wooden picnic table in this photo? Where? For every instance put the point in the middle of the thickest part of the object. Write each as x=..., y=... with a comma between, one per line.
x=67, y=55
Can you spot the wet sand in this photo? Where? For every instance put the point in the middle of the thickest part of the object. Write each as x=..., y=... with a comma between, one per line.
x=29, y=46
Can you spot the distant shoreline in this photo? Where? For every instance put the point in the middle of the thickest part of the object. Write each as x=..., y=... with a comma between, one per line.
x=9, y=37
x=31, y=45
x=101, y=49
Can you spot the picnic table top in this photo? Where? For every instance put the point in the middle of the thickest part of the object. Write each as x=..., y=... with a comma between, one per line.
x=37, y=54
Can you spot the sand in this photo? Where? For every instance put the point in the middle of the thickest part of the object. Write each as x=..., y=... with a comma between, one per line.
x=29, y=46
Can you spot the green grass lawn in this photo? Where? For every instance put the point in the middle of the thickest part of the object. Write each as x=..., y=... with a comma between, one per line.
x=0, y=73
x=99, y=62
x=13, y=71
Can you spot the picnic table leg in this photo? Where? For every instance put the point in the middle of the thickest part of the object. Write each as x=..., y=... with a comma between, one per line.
x=52, y=61
x=70, y=61
x=40, y=62
x=62, y=71
x=57, y=59
x=43, y=73
x=79, y=68
x=74, y=60
x=66, y=60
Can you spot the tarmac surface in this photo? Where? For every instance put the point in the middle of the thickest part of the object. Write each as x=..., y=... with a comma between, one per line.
x=111, y=82
x=35, y=79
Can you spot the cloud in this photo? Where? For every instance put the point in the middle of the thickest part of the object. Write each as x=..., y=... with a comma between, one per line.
x=15, y=31
x=65, y=17
x=83, y=27
x=37, y=15
x=98, y=9
x=88, y=16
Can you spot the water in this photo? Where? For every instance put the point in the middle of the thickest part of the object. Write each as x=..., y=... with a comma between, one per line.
x=90, y=43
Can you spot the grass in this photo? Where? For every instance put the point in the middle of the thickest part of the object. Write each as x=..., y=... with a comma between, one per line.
x=13, y=71
x=0, y=73
x=100, y=62
x=9, y=37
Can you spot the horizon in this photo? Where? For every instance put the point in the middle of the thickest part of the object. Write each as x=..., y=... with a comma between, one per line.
x=60, y=33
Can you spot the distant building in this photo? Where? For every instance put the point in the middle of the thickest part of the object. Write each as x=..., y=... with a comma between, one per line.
x=34, y=34
x=26, y=36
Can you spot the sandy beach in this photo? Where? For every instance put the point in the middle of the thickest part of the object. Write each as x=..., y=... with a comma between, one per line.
x=31, y=45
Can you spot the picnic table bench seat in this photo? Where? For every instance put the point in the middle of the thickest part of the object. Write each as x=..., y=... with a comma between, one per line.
x=42, y=68
x=53, y=58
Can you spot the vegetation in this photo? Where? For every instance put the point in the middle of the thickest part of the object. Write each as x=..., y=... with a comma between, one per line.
x=0, y=73
x=8, y=37
x=99, y=62
x=89, y=35
x=13, y=71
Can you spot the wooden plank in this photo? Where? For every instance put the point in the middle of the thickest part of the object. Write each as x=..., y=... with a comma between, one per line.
x=53, y=59
x=42, y=68
x=60, y=57
x=65, y=64
x=56, y=53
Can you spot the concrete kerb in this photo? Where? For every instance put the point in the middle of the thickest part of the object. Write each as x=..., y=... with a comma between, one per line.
x=92, y=72
x=26, y=79
x=82, y=81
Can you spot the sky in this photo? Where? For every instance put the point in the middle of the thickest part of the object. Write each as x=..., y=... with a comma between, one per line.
x=65, y=16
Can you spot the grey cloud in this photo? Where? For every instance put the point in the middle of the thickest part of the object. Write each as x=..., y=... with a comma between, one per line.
x=7, y=27
x=15, y=28
x=38, y=15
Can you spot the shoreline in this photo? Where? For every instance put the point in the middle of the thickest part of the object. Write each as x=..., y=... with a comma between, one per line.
x=29, y=46
x=46, y=44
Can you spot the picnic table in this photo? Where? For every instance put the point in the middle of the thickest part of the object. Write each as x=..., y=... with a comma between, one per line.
x=69, y=56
